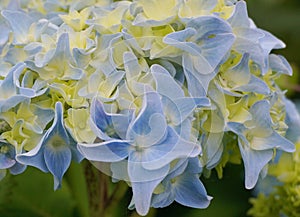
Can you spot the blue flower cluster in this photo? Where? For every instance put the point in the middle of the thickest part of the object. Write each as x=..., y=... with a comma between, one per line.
x=160, y=91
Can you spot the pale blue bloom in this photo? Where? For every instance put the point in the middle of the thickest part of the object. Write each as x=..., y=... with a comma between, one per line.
x=57, y=63
x=257, y=139
x=212, y=148
x=7, y=160
x=108, y=126
x=150, y=146
x=55, y=150
x=293, y=121
x=103, y=59
x=205, y=41
x=11, y=91
x=249, y=39
x=183, y=186
x=177, y=107
x=280, y=65
x=20, y=23
x=166, y=84
x=239, y=79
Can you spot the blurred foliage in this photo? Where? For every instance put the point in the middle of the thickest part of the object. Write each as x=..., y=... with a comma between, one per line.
x=31, y=194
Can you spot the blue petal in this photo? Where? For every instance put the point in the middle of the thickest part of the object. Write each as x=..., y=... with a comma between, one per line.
x=252, y=35
x=261, y=118
x=34, y=157
x=254, y=162
x=166, y=85
x=279, y=64
x=20, y=23
x=57, y=128
x=76, y=155
x=101, y=119
x=240, y=73
x=45, y=115
x=150, y=125
x=209, y=25
x=187, y=105
x=173, y=147
x=273, y=141
x=9, y=91
x=53, y=153
x=142, y=193
x=191, y=192
x=179, y=39
x=6, y=162
x=197, y=83
x=236, y=128
x=213, y=51
x=138, y=173
x=164, y=199
x=240, y=16
x=108, y=126
x=168, y=196
x=270, y=42
x=58, y=161
x=244, y=45
x=213, y=149
x=4, y=35
x=17, y=168
x=131, y=65
x=255, y=85
x=110, y=151
x=293, y=121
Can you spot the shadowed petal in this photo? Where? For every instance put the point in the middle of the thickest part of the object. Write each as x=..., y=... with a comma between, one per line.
x=58, y=161
x=254, y=162
x=166, y=85
x=173, y=147
x=108, y=126
x=240, y=16
x=293, y=121
x=20, y=23
x=261, y=119
x=17, y=168
x=272, y=141
x=255, y=85
x=279, y=64
x=142, y=194
x=34, y=157
x=150, y=125
x=191, y=192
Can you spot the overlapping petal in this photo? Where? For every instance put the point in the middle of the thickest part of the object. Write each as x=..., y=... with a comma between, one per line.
x=55, y=150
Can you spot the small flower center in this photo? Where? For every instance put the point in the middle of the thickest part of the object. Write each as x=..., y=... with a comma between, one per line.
x=56, y=141
x=139, y=148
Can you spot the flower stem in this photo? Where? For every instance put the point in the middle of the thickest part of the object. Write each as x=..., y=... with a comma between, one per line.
x=104, y=197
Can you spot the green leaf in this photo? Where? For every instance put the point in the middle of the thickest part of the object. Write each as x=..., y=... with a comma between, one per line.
x=31, y=194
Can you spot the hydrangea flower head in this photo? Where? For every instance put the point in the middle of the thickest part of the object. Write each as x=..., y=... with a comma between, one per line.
x=160, y=91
